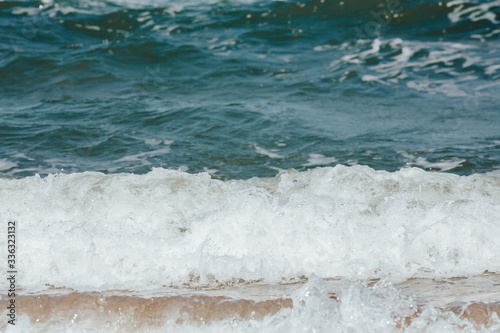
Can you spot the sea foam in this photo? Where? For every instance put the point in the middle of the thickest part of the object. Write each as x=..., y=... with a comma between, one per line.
x=92, y=231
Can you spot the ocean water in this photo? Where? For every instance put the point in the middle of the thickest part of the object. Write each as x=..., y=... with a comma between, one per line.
x=251, y=165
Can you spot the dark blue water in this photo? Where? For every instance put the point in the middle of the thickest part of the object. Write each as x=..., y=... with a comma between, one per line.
x=248, y=88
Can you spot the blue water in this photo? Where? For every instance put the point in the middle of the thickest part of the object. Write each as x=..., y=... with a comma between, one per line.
x=248, y=88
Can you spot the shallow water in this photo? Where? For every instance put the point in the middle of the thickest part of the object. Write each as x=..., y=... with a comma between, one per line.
x=414, y=305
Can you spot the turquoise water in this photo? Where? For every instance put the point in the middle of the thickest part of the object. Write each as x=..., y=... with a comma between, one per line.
x=248, y=88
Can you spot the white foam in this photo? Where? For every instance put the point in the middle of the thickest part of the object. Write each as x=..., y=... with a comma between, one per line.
x=318, y=159
x=6, y=164
x=142, y=157
x=27, y=11
x=441, y=165
x=403, y=65
x=91, y=231
x=473, y=12
x=179, y=5
x=272, y=153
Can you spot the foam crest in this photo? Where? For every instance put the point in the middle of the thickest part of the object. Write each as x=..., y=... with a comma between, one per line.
x=177, y=3
x=451, y=65
x=91, y=231
x=464, y=11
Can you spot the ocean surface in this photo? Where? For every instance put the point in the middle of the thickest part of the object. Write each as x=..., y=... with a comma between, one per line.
x=251, y=165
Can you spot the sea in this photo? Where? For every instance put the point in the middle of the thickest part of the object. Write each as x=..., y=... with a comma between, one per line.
x=250, y=166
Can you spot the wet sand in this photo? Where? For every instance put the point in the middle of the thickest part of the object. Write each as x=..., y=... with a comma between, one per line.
x=476, y=299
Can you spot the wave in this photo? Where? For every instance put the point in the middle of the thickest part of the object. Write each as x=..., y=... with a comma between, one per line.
x=90, y=231
x=304, y=19
x=437, y=48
